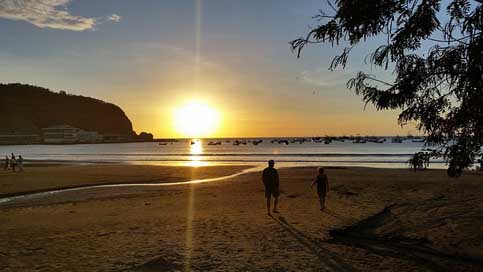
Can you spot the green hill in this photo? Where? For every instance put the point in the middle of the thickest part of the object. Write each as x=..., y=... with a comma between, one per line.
x=30, y=108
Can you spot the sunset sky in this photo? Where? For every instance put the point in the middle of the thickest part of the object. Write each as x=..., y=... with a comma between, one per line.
x=142, y=56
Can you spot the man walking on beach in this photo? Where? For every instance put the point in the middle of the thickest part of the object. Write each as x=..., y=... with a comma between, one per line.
x=271, y=181
x=322, y=182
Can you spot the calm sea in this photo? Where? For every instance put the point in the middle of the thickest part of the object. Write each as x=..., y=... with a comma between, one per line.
x=388, y=155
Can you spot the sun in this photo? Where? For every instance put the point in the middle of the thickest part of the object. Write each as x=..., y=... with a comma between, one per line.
x=196, y=119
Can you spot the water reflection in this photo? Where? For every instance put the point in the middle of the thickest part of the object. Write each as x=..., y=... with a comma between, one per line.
x=196, y=147
x=196, y=150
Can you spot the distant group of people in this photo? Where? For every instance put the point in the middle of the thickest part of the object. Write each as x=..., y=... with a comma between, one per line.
x=13, y=163
x=420, y=161
x=271, y=182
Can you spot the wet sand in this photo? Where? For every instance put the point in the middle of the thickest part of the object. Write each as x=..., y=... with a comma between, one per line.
x=46, y=178
x=377, y=220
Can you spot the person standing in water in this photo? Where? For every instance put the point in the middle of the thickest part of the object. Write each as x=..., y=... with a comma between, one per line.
x=271, y=181
x=322, y=182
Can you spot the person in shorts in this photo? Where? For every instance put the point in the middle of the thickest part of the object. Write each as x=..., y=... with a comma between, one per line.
x=271, y=181
x=322, y=182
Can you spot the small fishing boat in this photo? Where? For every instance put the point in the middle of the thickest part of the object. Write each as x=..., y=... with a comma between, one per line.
x=257, y=142
x=317, y=139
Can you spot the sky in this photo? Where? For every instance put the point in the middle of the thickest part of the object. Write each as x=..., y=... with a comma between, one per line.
x=151, y=57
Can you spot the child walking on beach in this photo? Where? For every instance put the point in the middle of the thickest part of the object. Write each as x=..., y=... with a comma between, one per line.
x=322, y=182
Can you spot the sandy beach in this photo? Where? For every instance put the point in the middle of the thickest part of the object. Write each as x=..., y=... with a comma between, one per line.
x=377, y=220
x=49, y=177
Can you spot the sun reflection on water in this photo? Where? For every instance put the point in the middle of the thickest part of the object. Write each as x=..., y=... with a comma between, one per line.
x=196, y=149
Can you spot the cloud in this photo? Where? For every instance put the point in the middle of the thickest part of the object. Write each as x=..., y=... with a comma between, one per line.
x=326, y=79
x=49, y=14
x=114, y=18
x=171, y=52
x=322, y=77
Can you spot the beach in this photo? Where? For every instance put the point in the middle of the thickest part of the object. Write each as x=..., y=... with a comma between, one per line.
x=49, y=177
x=376, y=220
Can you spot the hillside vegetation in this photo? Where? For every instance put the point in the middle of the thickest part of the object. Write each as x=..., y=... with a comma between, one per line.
x=30, y=108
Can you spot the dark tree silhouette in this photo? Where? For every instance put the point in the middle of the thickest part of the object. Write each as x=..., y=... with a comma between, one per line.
x=436, y=53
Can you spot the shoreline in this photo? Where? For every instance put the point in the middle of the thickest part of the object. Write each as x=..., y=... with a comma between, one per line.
x=6, y=198
x=44, y=179
x=205, y=163
x=157, y=182
x=387, y=155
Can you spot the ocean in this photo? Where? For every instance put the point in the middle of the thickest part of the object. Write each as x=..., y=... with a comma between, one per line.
x=347, y=153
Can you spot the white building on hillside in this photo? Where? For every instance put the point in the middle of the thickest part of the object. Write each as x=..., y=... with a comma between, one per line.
x=19, y=138
x=89, y=136
x=65, y=134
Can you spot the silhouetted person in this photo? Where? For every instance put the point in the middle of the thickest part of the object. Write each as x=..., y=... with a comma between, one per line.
x=454, y=171
x=271, y=181
x=7, y=163
x=481, y=164
x=13, y=162
x=322, y=182
x=20, y=163
x=419, y=161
